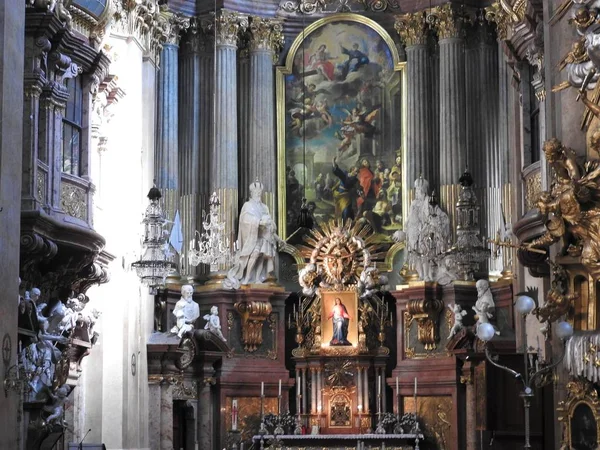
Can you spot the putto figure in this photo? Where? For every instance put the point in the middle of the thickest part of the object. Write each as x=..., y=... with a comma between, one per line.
x=341, y=319
x=186, y=311
x=257, y=243
x=213, y=323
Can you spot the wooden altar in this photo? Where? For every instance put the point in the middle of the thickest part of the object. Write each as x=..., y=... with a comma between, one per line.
x=340, y=322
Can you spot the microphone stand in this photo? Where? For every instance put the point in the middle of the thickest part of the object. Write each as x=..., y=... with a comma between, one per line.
x=81, y=443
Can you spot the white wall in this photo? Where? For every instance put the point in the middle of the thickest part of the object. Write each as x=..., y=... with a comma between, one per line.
x=116, y=399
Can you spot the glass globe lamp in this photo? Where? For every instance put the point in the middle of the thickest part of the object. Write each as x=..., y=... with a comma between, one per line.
x=564, y=330
x=524, y=305
x=485, y=332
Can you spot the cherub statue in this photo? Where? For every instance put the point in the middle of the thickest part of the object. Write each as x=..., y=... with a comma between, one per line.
x=458, y=318
x=484, y=306
x=370, y=282
x=309, y=279
x=186, y=311
x=57, y=407
x=213, y=323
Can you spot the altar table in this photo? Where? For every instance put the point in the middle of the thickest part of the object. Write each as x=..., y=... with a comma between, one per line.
x=340, y=441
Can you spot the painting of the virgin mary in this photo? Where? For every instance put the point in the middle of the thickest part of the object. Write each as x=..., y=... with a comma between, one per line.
x=341, y=319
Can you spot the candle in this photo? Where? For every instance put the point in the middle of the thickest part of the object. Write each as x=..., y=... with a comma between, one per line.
x=294, y=310
x=234, y=415
x=415, y=386
x=379, y=385
x=397, y=390
x=262, y=388
x=280, y=388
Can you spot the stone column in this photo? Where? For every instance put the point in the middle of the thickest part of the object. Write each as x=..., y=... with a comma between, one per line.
x=412, y=29
x=471, y=406
x=166, y=156
x=204, y=415
x=154, y=410
x=304, y=393
x=190, y=110
x=448, y=22
x=359, y=386
x=313, y=391
x=366, y=389
x=224, y=161
x=266, y=39
x=166, y=416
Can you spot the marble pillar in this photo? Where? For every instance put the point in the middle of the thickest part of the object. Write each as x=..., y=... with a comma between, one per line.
x=359, y=387
x=304, y=393
x=266, y=39
x=166, y=165
x=190, y=103
x=166, y=416
x=413, y=31
x=204, y=415
x=365, y=390
x=448, y=22
x=166, y=156
x=154, y=409
x=243, y=125
x=224, y=158
x=471, y=406
x=313, y=390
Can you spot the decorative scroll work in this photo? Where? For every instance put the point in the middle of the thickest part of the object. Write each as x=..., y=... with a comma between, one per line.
x=253, y=315
x=533, y=189
x=73, y=200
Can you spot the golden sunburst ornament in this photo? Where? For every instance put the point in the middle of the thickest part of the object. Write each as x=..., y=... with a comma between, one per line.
x=342, y=249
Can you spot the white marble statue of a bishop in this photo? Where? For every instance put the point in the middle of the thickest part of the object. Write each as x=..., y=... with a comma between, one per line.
x=257, y=243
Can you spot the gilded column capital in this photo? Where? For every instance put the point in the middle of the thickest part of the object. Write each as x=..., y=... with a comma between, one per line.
x=196, y=39
x=169, y=27
x=448, y=20
x=265, y=34
x=412, y=28
x=500, y=17
x=227, y=26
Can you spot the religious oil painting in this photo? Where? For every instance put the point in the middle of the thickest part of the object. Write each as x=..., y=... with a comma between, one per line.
x=340, y=125
x=339, y=319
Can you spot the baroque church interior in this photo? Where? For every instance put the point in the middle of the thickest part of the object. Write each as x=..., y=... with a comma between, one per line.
x=300, y=224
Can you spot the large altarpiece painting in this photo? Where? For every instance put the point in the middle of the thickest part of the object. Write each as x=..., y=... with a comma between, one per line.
x=341, y=95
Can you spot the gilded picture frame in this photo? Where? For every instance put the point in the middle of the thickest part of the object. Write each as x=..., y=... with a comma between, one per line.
x=348, y=304
x=580, y=416
x=342, y=93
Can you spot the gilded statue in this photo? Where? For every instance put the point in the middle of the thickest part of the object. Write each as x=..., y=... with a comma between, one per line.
x=572, y=206
x=558, y=300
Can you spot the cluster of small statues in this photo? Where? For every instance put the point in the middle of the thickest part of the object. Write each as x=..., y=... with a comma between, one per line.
x=43, y=361
x=187, y=311
x=427, y=233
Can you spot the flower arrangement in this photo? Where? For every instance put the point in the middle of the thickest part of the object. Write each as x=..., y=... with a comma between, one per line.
x=287, y=420
x=408, y=422
x=388, y=419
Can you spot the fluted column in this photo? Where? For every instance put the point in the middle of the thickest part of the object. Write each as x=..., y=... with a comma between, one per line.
x=365, y=389
x=166, y=157
x=490, y=164
x=313, y=391
x=448, y=22
x=412, y=29
x=266, y=39
x=224, y=158
x=190, y=101
x=304, y=393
